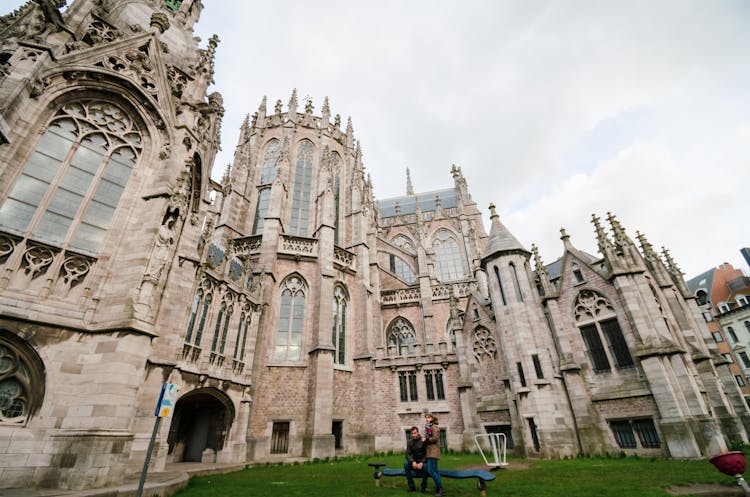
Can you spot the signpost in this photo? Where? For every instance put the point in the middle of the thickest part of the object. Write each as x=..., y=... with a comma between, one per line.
x=164, y=408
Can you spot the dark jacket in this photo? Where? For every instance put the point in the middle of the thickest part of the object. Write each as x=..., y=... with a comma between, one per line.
x=415, y=450
x=433, y=441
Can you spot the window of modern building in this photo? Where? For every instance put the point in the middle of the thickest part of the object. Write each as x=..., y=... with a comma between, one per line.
x=740, y=380
x=448, y=266
x=717, y=336
x=732, y=334
x=744, y=358
x=291, y=320
x=299, y=223
x=71, y=184
x=339, y=325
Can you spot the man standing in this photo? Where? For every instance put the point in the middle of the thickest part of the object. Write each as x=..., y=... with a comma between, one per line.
x=415, y=455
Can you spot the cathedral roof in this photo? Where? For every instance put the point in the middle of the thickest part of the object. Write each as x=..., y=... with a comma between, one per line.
x=501, y=239
x=427, y=202
x=704, y=280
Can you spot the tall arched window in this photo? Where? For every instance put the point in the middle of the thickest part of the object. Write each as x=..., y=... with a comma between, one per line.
x=299, y=223
x=401, y=334
x=291, y=319
x=242, y=330
x=270, y=160
x=400, y=268
x=21, y=380
x=448, y=265
x=339, y=325
x=595, y=316
x=500, y=284
x=516, y=283
x=336, y=195
x=71, y=184
x=198, y=315
x=264, y=197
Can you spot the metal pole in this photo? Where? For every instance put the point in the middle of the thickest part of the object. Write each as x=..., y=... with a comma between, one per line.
x=148, y=457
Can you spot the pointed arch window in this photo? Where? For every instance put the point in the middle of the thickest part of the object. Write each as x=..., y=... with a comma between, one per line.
x=500, y=285
x=404, y=243
x=242, y=331
x=221, y=330
x=401, y=268
x=291, y=319
x=516, y=283
x=595, y=316
x=264, y=197
x=339, y=325
x=198, y=315
x=71, y=184
x=300, y=220
x=401, y=335
x=21, y=380
x=270, y=161
x=336, y=195
x=448, y=266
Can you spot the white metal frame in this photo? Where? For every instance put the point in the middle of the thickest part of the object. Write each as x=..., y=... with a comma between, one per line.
x=497, y=443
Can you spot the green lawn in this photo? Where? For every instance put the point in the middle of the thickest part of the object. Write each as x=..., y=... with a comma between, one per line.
x=585, y=477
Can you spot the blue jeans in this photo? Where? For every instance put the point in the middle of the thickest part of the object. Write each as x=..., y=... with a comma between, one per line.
x=411, y=473
x=432, y=469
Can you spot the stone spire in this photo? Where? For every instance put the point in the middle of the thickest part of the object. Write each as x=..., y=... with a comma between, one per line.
x=409, y=186
x=601, y=236
x=325, y=114
x=565, y=237
x=541, y=272
x=676, y=274
x=260, y=121
x=653, y=261
x=349, y=132
x=500, y=239
x=292, y=112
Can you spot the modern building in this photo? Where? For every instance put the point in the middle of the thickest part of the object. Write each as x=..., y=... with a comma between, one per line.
x=723, y=294
x=299, y=316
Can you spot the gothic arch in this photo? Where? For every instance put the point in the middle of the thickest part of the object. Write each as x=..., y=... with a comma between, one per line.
x=22, y=380
x=202, y=419
x=400, y=333
x=449, y=255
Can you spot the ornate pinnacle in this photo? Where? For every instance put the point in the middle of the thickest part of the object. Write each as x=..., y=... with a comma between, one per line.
x=308, y=105
x=538, y=265
x=293, y=101
x=646, y=247
x=337, y=121
x=493, y=212
x=326, y=108
x=409, y=186
x=325, y=112
x=262, y=106
x=601, y=236
x=673, y=268
x=617, y=230
x=277, y=107
x=349, y=128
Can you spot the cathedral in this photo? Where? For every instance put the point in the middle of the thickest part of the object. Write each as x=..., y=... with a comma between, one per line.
x=299, y=316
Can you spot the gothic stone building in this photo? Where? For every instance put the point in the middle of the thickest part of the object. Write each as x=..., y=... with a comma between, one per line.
x=300, y=317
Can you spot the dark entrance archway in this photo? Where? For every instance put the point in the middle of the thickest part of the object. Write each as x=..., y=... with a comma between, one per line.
x=201, y=421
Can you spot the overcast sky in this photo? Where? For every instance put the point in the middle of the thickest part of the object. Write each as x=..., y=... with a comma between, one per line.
x=553, y=110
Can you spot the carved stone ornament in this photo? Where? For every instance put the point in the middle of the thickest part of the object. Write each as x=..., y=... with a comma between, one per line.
x=160, y=21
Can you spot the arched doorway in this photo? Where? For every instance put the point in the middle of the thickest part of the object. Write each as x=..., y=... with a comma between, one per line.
x=201, y=421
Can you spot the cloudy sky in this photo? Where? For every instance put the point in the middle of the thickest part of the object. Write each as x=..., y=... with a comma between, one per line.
x=553, y=110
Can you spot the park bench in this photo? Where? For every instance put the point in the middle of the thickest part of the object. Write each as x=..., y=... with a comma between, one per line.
x=481, y=475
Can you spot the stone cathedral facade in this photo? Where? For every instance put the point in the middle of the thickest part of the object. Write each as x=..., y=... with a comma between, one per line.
x=300, y=317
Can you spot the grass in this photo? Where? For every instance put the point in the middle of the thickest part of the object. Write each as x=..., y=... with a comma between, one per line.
x=351, y=477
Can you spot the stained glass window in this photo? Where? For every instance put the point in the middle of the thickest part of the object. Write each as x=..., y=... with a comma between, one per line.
x=339, y=326
x=401, y=334
x=264, y=197
x=270, y=160
x=596, y=316
x=448, y=265
x=300, y=221
x=71, y=184
x=291, y=319
x=21, y=381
